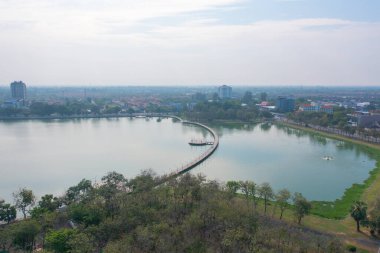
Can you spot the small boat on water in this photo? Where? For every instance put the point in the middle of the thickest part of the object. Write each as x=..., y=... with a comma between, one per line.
x=328, y=158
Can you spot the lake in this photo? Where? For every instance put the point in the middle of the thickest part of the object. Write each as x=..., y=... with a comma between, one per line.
x=50, y=156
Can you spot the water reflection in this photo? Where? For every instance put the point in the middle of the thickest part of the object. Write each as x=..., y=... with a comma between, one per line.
x=51, y=155
x=288, y=158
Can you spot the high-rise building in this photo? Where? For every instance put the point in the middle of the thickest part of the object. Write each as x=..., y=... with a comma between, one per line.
x=18, y=90
x=284, y=104
x=224, y=92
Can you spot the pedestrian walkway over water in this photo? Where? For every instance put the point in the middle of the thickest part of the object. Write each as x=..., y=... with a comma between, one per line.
x=203, y=157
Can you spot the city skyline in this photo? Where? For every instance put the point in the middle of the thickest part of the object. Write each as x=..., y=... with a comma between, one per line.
x=170, y=43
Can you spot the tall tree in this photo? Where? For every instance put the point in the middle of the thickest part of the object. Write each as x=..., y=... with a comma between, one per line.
x=7, y=212
x=244, y=187
x=358, y=213
x=247, y=98
x=232, y=186
x=263, y=96
x=252, y=190
x=79, y=192
x=266, y=192
x=25, y=234
x=49, y=203
x=24, y=200
x=282, y=198
x=301, y=206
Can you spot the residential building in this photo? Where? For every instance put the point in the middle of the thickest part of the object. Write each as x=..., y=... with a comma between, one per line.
x=369, y=121
x=225, y=92
x=314, y=107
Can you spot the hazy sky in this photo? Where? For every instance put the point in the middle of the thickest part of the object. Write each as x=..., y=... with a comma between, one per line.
x=190, y=42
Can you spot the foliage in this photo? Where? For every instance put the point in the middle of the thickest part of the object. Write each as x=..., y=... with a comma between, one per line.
x=223, y=110
x=338, y=119
x=186, y=214
x=282, y=198
x=58, y=240
x=24, y=200
x=7, y=212
x=265, y=191
x=358, y=212
x=25, y=233
x=301, y=206
x=232, y=186
x=79, y=193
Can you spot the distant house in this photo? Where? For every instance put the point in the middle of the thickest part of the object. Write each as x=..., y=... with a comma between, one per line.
x=266, y=106
x=309, y=108
x=369, y=120
x=12, y=103
x=327, y=108
x=225, y=92
x=313, y=107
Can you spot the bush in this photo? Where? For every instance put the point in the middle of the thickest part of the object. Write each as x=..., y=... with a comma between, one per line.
x=351, y=248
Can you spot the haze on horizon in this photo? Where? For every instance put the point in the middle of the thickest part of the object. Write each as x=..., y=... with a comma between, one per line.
x=173, y=42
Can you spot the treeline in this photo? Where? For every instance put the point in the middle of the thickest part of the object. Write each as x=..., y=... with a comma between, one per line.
x=187, y=214
x=226, y=110
x=45, y=109
x=338, y=119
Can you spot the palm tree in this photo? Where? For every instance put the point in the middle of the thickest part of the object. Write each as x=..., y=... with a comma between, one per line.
x=358, y=213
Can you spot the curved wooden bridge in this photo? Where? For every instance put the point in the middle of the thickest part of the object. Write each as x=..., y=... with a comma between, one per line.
x=194, y=163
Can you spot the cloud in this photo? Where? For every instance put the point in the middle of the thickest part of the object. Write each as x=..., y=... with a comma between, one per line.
x=126, y=42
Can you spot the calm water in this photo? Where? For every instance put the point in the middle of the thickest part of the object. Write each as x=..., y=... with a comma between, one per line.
x=49, y=156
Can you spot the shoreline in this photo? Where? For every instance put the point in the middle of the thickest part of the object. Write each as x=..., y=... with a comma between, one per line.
x=367, y=190
x=98, y=116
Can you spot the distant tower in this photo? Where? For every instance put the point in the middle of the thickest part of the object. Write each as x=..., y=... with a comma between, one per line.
x=18, y=90
x=224, y=92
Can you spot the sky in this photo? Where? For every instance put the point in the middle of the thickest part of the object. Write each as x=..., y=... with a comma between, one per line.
x=190, y=42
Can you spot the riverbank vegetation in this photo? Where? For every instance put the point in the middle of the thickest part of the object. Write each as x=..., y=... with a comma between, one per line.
x=230, y=110
x=187, y=214
x=337, y=119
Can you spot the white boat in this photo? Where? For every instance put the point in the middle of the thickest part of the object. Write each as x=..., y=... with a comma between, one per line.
x=328, y=158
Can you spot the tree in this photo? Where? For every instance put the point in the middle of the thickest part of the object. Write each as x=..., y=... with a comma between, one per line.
x=24, y=200
x=215, y=97
x=252, y=190
x=282, y=198
x=25, y=234
x=263, y=96
x=58, y=240
x=112, y=183
x=247, y=98
x=7, y=212
x=266, y=192
x=81, y=243
x=244, y=187
x=358, y=213
x=49, y=203
x=233, y=186
x=301, y=206
x=79, y=192
x=6, y=238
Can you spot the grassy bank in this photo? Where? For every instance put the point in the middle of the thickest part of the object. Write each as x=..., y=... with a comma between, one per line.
x=366, y=191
